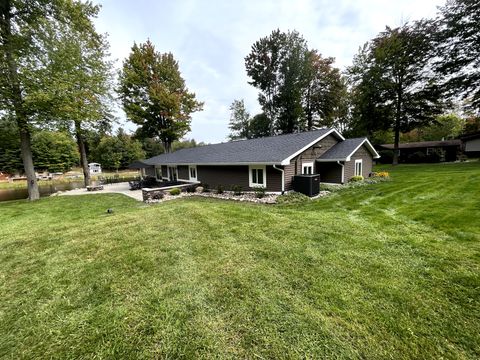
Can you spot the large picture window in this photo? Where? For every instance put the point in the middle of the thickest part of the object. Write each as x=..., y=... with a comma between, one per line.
x=358, y=167
x=257, y=176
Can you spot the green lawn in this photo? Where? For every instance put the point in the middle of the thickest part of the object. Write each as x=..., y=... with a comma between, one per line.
x=385, y=271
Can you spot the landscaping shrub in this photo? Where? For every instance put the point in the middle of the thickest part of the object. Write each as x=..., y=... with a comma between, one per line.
x=158, y=196
x=206, y=188
x=175, y=191
x=356, y=178
x=237, y=190
x=259, y=192
x=381, y=174
x=191, y=188
x=220, y=189
x=292, y=197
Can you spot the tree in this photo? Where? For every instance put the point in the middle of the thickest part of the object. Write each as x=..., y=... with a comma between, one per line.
x=239, y=121
x=116, y=152
x=10, y=154
x=299, y=90
x=26, y=29
x=394, y=86
x=81, y=82
x=263, y=67
x=54, y=151
x=259, y=126
x=154, y=95
x=325, y=93
x=458, y=50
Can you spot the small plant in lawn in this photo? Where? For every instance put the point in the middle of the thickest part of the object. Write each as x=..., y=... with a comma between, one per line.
x=237, y=190
x=220, y=189
x=356, y=178
x=259, y=192
x=292, y=197
x=175, y=191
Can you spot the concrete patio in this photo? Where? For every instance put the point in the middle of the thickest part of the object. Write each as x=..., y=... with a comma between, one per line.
x=119, y=188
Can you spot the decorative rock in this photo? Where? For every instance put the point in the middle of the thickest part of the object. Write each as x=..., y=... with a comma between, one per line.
x=199, y=189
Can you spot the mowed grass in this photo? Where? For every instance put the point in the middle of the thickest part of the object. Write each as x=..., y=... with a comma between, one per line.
x=385, y=271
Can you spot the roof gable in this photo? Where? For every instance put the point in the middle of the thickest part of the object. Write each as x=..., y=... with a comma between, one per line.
x=343, y=150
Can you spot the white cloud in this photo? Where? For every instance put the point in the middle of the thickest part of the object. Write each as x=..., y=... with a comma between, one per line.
x=210, y=39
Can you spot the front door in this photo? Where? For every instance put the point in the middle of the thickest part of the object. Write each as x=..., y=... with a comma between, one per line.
x=172, y=173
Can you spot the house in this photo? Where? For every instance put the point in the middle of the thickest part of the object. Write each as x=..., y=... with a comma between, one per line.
x=427, y=151
x=269, y=162
x=471, y=144
x=95, y=168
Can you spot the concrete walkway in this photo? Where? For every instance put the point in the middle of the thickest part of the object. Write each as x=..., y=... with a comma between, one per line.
x=119, y=188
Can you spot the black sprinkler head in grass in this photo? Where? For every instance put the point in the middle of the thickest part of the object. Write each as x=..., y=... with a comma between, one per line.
x=109, y=211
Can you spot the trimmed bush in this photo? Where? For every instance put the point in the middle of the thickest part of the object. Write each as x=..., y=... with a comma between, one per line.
x=158, y=196
x=292, y=197
x=259, y=192
x=175, y=191
x=220, y=189
x=206, y=188
x=356, y=178
x=191, y=188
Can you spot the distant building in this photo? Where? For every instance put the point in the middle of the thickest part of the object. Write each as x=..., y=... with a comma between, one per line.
x=428, y=151
x=95, y=168
x=471, y=144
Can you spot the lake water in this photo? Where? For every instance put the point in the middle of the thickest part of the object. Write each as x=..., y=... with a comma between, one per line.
x=45, y=190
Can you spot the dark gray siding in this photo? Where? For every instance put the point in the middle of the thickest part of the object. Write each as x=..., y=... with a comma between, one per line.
x=309, y=155
x=330, y=172
x=229, y=175
x=182, y=171
x=367, y=163
x=150, y=171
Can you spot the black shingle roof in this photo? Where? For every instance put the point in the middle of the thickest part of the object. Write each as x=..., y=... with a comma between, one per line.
x=268, y=150
x=342, y=150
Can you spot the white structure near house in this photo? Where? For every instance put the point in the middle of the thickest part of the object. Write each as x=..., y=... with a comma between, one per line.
x=95, y=168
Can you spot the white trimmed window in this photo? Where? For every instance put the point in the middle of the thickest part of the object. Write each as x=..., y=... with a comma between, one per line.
x=358, y=167
x=192, y=172
x=158, y=173
x=257, y=176
x=307, y=168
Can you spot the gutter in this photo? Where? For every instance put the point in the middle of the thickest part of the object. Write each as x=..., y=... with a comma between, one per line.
x=343, y=171
x=283, y=177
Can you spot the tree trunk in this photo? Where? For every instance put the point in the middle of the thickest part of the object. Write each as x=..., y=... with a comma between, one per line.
x=167, y=146
x=398, y=117
x=83, y=153
x=17, y=100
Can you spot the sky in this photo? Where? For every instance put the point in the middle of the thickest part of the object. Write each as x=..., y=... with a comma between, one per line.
x=211, y=38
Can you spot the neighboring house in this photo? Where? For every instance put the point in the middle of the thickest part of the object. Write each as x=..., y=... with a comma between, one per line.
x=269, y=162
x=95, y=168
x=471, y=144
x=428, y=151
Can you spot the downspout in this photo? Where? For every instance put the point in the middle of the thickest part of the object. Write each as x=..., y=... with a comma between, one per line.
x=283, y=177
x=343, y=171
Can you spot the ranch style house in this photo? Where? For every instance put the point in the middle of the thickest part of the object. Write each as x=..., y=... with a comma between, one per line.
x=269, y=162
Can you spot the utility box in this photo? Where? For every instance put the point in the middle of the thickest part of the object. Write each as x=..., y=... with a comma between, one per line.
x=307, y=184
